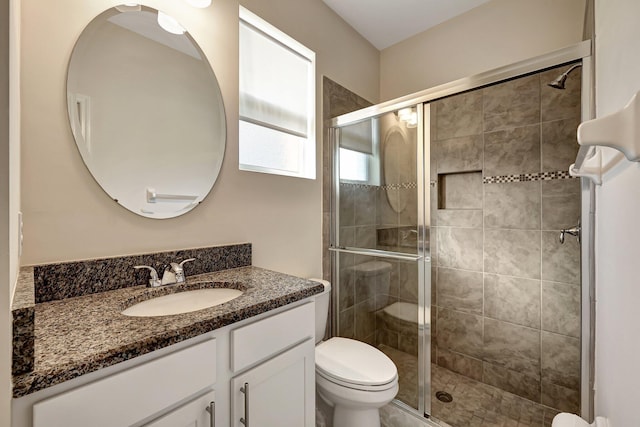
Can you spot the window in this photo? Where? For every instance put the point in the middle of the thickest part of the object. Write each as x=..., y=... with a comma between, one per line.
x=277, y=101
x=354, y=166
x=359, y=156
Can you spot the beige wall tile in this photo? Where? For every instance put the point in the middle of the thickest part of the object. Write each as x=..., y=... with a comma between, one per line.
x=561, y=308
x=512, y=346
x=512, y=253
x=460, y=290
x=514, y=205
x=512, y=151
x=512, y=299
x=512, y=104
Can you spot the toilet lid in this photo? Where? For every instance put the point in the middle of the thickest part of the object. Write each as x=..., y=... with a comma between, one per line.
x=354, y=362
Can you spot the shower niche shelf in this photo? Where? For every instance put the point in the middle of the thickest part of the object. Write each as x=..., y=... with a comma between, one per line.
x=619, y=130
x=460, y=190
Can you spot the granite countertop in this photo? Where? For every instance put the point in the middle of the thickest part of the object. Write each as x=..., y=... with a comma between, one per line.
x=79, y=335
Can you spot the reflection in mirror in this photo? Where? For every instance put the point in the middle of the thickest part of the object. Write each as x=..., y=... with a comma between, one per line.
x=146, y=111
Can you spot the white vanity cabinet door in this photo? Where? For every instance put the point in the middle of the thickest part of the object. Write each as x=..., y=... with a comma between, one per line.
x=281, y=391
x=192, y=414
x=133, y=395
x=260, y=340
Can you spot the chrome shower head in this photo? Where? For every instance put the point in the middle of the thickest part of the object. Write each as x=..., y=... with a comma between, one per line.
x=559, y=82
x=562, y=78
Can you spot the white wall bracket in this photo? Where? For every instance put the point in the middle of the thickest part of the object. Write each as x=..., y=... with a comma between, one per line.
x=619, y=130
x=591, y=167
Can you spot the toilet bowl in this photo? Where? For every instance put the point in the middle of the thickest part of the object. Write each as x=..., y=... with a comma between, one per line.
x=570, y=420
x=354, y=378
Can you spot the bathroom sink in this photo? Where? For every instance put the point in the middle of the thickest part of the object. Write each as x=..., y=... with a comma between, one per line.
x=182, y=302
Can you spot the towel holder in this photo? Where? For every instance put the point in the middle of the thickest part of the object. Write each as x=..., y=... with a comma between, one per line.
x=619, y=130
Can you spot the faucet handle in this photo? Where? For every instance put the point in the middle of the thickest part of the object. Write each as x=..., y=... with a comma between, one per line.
x=179, y=271
x=186, y=260
x=153, y=281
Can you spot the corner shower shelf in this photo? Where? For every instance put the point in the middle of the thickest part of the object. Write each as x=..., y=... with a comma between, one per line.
x=620, y=130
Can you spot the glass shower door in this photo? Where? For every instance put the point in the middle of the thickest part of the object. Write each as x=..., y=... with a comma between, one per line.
x=379, y=240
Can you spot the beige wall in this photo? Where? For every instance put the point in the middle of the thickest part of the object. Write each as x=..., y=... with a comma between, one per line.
x=341, y=53
x=497, y=33
x=67, y=216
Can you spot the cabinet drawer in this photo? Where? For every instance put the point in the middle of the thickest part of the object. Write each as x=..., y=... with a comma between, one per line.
x=257, y=341
x=132, y=395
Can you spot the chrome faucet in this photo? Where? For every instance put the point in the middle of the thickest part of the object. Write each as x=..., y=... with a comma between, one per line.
x=153, y=281
x=173, y=273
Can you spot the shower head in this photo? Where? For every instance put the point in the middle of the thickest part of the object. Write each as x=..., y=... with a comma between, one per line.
x=562, y=78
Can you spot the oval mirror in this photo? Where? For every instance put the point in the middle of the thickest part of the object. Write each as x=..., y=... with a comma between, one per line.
x=146, y=111
x=397, y=151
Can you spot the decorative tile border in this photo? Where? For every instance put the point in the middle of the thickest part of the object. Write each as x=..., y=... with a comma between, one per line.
x=402, y=185
x=544, y=176
x=498, y=179
x=74, y=279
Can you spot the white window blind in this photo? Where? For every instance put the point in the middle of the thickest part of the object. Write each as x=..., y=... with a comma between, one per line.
x=277, y=101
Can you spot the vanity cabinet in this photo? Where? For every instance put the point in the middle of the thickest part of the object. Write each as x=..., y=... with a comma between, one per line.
x=279, y=392
x=132, y=396
x=173, y=387
x=192, y=414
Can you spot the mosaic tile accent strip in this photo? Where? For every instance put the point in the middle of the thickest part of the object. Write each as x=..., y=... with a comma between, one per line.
x=544, y=176
x=74, y=279
x=402, y=185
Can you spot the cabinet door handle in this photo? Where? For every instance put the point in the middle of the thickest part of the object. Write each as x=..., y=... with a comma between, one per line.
x=245, y=390
x=211, y=409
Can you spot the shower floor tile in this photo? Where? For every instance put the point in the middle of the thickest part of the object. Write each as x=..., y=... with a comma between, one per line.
x=474, y=403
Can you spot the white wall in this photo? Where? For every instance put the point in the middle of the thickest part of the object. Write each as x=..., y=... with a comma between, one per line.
x=617, y=231
x=9, y=187
x=494, y=34
x=67, y=216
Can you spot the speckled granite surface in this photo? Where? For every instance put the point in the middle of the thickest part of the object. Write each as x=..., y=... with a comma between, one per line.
x=79, y=335
x=24, y=296
x=23, y=315
x=78, y=278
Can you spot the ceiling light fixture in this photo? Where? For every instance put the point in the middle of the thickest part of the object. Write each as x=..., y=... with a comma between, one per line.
x=169, y=24
x=199, y=3
x=409, y=116
x=129, y=7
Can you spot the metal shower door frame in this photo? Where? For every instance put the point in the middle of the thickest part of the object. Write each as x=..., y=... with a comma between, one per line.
x=579, y=52
x=421, y=258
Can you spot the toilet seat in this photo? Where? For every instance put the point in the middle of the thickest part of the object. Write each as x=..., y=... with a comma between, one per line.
x=355, y=365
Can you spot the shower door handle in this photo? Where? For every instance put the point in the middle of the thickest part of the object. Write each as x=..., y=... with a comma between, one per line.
x=575, y=231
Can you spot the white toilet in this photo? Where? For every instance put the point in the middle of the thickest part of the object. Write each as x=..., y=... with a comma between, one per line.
x=570, y=420
x=354, y=378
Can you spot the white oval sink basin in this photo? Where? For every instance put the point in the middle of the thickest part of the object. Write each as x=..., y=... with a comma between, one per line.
x=182, y=302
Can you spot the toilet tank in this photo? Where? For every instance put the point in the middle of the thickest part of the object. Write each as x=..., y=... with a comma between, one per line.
x=322, y=309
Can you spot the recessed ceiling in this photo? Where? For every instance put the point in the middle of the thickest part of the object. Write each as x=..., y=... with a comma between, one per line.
x=387, y=22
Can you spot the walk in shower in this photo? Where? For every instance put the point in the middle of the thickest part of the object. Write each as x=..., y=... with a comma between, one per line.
x=447, y=209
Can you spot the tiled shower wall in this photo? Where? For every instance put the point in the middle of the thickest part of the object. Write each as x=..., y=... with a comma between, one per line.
x=367, y=220
x=336, y=100
x=506, y=301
